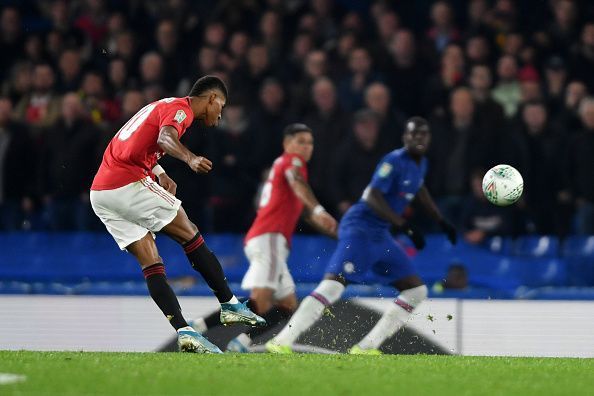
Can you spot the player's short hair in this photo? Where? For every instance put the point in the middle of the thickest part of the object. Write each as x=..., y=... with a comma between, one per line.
x=292, y=129
x=207, y=83
x=415, y=123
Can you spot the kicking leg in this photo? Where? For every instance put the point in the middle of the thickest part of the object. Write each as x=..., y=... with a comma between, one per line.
x=147, y=255
x=412, y=292
x=202, y=259
x=310, y=310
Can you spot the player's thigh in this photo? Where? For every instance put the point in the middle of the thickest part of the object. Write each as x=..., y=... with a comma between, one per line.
x=145, y=251
x=159, y=211
x=267, y=255
x=107, y=207
x=351, y=259
x=180, y=229
x=396, y=266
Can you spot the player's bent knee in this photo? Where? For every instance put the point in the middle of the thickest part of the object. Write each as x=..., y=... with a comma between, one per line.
x=414, y=296
x=328, y=291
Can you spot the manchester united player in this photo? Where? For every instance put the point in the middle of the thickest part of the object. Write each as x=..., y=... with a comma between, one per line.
x=284, y=197
x=133, y=206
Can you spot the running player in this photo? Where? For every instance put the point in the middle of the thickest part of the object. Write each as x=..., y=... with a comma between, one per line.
x=285, y=195
x=366, y=251
x=133, y=207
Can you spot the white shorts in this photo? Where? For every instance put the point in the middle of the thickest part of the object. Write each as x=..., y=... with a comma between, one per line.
x=267, y=254
x=129, y=212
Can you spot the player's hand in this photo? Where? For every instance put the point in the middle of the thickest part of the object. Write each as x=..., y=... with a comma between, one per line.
x=167, y=183
x=327, y=222
x=415, y=236
x=449, y=230
x=200, y=164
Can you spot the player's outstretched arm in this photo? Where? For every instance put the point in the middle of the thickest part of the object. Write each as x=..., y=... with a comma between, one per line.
x=168, y=140
x=318, y=214
x=432, y=210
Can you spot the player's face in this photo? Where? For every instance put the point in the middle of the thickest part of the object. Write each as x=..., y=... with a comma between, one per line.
x=417, y=141
x=214, y=109
x=301, y=144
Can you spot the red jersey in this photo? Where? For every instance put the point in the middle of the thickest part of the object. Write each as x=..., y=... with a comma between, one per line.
x=133, y=151
x=279, y=206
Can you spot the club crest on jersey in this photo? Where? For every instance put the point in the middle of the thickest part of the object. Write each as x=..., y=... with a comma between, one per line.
x=296, y=162
x=180, y=116
x=385, y=169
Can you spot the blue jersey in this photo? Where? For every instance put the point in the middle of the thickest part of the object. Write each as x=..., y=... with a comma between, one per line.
x=366, y=252
x=399, y=178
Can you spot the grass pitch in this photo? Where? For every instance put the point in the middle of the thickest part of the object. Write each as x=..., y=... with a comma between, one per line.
x=86, y=373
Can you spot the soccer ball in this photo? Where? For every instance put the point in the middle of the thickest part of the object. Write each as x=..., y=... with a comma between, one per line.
x=503, y=185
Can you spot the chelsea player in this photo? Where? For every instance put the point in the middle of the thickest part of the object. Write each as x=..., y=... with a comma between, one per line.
x=367, y=253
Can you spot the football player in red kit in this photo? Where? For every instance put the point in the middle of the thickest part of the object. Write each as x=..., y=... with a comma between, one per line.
x=133, y=207
x=285, y=195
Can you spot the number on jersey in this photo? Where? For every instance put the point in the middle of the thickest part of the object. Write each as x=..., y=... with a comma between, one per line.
x=132, y=125
x=267, y=190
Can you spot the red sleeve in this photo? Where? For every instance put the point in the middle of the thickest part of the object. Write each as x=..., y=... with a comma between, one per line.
x=175, y=115
x=294, y=162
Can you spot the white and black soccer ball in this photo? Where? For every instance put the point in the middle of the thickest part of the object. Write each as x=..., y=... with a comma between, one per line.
x=503, y=185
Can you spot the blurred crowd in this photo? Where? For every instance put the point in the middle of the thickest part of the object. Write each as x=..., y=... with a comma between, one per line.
x=501, y=81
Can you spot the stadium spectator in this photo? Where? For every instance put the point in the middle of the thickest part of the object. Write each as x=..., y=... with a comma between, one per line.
x=355, y=160
x=487, y=108
x=583, y=57
x=443, y=31
x=450, y=75
x=236, y=181
x=10, y=38
x=69, y=163
x=480, y=218
x=361, y=74
x=377, y=99
x=542, y=147
x=70, y=66
x=568, y=119
x=41, y=107
x=330, y=125
x=268, y=119
x=406, y=72
x=461, y=146
x=17, y=165
x=507, y=90
x=580, y=169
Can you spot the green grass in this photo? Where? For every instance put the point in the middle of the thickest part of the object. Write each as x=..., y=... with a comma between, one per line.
x=86, y=373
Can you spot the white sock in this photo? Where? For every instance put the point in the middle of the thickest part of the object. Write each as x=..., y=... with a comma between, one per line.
x=307, y=314
x=394, y=317
x=310, y=310
x=199, y=325
x=233, y=300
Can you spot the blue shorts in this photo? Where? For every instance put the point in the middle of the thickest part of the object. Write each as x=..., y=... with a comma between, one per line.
x=369, y=258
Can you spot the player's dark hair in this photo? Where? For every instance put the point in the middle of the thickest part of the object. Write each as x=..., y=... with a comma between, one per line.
x=292, y=129
x=415, y=123
x=207, y=83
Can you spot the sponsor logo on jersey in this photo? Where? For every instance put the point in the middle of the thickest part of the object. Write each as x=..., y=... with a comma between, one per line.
x=180, y=116
x=296, y=162
x=385, y=169
x=348, y=267
x=406, y=182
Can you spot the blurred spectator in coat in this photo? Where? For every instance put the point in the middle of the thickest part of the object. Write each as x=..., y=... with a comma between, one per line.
x=355, y=160
x=17, y=165
x=69, y=163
